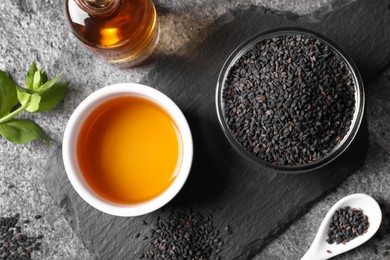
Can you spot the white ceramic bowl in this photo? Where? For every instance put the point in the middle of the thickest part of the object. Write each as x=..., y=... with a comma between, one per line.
x=69, y=148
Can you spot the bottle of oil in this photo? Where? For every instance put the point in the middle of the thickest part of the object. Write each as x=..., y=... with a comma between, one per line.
x=120, y=31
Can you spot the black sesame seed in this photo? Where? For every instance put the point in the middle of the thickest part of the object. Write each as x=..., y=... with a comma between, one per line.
x=184, y=234
x=347, y=224
x=288, y=101
x=13, y=243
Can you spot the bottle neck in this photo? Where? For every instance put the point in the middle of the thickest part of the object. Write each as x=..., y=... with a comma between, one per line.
x=99, y=8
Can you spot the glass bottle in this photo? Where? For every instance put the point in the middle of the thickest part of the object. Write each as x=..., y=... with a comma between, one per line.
x=120, y=31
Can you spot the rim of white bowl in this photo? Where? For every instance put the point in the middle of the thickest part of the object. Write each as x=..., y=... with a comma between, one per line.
x=69, y=147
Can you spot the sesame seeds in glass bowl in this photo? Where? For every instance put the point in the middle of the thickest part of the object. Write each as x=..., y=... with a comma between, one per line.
x=290, y=100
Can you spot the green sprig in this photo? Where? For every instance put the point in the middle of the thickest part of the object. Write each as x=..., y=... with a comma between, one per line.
x=40, y=95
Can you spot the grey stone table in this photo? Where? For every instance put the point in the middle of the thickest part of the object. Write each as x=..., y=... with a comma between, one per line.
x=35, y=30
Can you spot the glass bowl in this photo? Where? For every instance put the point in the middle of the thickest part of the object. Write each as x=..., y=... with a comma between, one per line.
x=358, y=109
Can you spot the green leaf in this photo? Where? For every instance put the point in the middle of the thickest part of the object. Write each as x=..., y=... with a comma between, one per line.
x=30, y=75
x=35, y=101
x=8, y=98
x=48, y=84
x=37, y=80
x=53, y=96
x=43, y=77
x=29, y=99
x=21, y=131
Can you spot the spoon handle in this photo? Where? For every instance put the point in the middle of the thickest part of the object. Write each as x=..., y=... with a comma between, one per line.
x=312, y=254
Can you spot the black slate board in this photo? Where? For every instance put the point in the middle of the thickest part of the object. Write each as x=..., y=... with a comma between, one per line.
x=256, y=204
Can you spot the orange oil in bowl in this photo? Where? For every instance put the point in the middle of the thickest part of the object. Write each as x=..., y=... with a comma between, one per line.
x=129, y=150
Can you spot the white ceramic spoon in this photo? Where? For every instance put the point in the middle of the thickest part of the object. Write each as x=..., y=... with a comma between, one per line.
x=321, y=250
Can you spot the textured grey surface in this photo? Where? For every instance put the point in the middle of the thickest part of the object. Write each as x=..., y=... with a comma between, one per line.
x=36, y=30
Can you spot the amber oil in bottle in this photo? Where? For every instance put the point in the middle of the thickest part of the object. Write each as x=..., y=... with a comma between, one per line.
x=124, y=32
